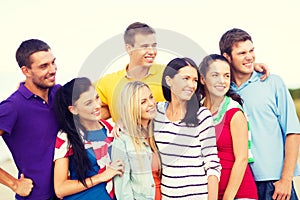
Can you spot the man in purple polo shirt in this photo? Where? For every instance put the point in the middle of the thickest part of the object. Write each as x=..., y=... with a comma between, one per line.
x=28, y=123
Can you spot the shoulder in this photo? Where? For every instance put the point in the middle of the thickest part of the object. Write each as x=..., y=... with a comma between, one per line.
x=275, y=79
x=122, y=140
x=113, y=76
x=61, y=137
x=157, y=69
x=204, y=115
x=203, y=112
x=160, y=67
x=274, y=82
x=54, y=89
x=107, y=125
x=62, y=147
x=14, y=101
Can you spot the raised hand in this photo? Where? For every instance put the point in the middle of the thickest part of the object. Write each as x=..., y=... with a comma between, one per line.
x=23, y=186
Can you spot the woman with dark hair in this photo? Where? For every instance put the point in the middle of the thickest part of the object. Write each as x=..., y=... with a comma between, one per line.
x=83, y=145
x=185, y=136
x=236, y=181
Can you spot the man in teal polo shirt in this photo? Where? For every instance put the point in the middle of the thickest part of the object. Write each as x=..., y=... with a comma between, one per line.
x=274, y=124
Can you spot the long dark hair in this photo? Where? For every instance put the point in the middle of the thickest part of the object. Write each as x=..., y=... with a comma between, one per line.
x=66, y=96
x=203, y=68
x=193, y=104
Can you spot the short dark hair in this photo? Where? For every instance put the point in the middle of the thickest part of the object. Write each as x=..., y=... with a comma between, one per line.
x=27, y=48
x=231, y=37
x=136, y=28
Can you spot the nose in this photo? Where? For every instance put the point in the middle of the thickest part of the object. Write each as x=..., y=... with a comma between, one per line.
x=53, y=68
x=192, y=84
x=249, y=56
x=222, y=79
x=151, y=50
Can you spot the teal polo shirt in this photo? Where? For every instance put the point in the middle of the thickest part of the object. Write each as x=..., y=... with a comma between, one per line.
x=272, y=116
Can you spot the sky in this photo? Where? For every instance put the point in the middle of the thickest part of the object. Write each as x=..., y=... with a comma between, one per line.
x=76, y=29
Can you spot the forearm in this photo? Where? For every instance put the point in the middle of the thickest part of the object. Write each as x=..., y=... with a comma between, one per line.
x=212, y=187
x=235, y=179
x=69, y=187
x=291, y=156
x=8, y=180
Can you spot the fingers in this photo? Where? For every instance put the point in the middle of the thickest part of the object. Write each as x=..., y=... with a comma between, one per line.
x=22, y=176
x=118, y=166
x=24, y=186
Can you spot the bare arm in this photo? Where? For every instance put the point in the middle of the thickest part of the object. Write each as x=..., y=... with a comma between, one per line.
x=105, y=113
x=22, y=186
x=213, y=186
x=283, y=187
x=64, y=187
x=239, y=133
x=263, y=68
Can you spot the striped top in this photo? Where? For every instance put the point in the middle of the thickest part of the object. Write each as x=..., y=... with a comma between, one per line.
x=98, y=147
x=189, y=155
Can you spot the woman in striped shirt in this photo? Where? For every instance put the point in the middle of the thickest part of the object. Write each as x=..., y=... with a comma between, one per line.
x=185, y=136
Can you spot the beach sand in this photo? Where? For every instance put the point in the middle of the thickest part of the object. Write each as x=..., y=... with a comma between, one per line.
x=7, y=194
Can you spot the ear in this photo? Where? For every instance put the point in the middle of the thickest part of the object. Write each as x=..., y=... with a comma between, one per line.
x=168, y=80
x=128, y=48
x=202, y=80
x=227, y=57
x=25, y=71
x=73, y=110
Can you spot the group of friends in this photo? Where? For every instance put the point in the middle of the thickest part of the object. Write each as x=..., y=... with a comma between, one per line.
x=181, y=131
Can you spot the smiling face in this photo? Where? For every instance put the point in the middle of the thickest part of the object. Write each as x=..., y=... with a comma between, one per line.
x=184, y=84
x=87, y=107
x=148, y=106
x=144, y=51
x=217, y=79
x=40, y=75
x=242, y=59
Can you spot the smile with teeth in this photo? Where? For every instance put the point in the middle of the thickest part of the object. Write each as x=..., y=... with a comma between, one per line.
x=151, y=110
x=51, y=78
x=97, y=113
x=220, y=87
x=149, y=59
x=248, y=65
x=188, y=92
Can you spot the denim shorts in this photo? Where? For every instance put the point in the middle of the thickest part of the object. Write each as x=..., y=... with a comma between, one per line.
x=266, y=189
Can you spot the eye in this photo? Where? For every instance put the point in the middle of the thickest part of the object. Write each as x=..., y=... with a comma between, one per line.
x=43, y=66
x=88, y=103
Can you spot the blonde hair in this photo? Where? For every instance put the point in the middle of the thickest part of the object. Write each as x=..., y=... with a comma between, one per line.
x=129, y=108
